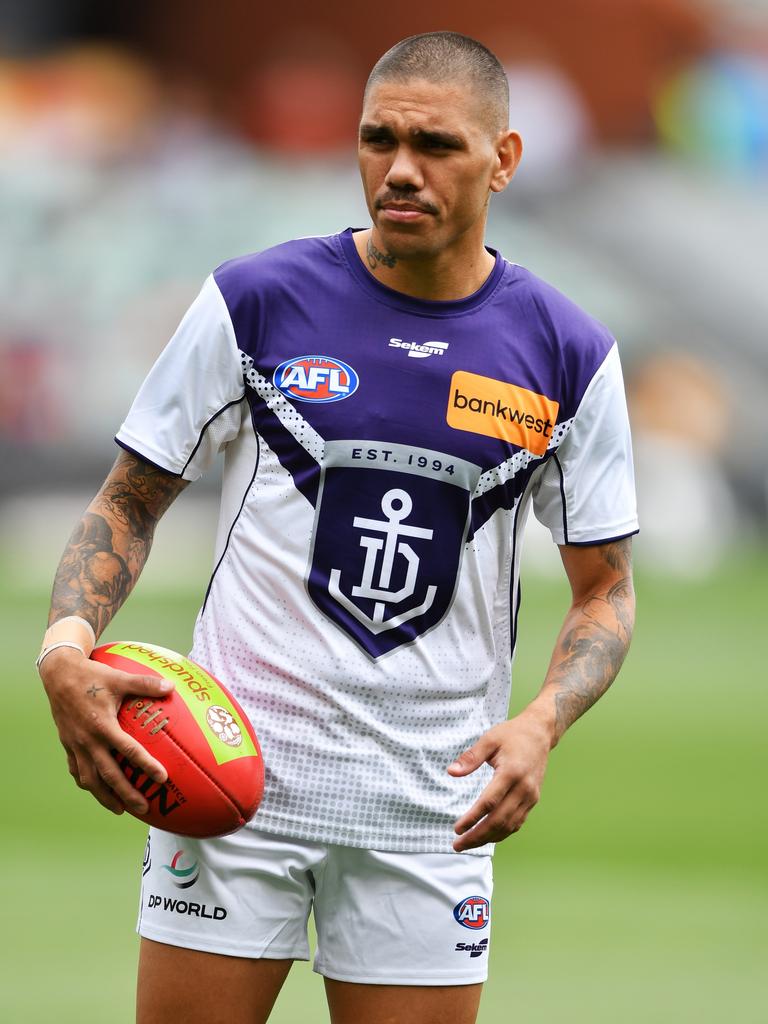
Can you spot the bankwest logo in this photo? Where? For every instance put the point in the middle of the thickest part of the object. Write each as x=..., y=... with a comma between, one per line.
x=482, y=405
x=416, y=351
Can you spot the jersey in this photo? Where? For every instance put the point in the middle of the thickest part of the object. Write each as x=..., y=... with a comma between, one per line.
x=381, y=453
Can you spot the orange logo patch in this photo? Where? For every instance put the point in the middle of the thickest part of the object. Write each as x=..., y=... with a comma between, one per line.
x=483, y=405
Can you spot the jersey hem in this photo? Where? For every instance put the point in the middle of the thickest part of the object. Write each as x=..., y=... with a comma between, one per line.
x=146, y=452
x=606, y=535
x=603, y=540
x=276, y=826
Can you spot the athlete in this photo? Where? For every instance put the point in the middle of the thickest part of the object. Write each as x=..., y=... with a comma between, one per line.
x=391, y=402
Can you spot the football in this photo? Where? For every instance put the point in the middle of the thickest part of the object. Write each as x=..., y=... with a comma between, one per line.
x=201, y=736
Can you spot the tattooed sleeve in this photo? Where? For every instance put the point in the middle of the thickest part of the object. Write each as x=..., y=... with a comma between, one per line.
x=110, y=544
x=595, y=637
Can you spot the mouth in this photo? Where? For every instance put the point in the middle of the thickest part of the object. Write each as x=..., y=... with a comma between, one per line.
x=403, y=213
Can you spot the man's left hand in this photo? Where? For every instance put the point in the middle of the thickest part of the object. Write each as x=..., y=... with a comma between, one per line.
x=518, y=751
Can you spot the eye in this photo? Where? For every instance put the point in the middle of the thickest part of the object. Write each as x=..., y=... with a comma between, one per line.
x=377, y=139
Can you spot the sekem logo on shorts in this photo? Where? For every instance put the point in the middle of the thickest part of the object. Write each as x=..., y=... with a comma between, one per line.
x=473, y=948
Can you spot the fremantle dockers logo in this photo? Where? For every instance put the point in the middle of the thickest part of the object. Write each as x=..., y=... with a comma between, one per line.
x=390, y=526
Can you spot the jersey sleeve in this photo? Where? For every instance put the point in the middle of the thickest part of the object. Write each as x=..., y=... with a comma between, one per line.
x=585, y=492
x=191, y=403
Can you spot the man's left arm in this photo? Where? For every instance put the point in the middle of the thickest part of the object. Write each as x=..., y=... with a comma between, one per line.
x=588, y=654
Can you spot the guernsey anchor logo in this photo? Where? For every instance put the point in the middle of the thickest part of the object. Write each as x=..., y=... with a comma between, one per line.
x=382, y=545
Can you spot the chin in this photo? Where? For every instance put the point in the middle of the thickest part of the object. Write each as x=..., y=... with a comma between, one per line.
x=404, y=243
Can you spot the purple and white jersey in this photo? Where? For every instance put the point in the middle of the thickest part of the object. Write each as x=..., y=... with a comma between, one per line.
x=381, y=455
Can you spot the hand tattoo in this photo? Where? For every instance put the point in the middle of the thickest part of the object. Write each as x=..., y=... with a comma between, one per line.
x=93, y=690
x=375, y=256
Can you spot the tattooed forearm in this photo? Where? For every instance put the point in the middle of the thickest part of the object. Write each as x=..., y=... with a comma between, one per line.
x=376, y=256
x=595, y=637
x=110, y=544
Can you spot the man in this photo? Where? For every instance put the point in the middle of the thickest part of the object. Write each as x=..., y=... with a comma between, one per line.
x=390, y=401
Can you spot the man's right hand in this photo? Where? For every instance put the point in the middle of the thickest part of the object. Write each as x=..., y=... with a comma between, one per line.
x=85, y=698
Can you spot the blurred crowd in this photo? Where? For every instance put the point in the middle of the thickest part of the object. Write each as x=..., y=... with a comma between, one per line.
x=138, y=153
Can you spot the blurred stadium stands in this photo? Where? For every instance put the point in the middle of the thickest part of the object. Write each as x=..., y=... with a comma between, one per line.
x=141, y=147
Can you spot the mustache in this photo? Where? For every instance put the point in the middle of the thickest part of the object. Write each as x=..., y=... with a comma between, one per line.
x=397, y=196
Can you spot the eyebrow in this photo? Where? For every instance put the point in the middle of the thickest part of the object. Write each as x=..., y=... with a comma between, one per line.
x=425, y=136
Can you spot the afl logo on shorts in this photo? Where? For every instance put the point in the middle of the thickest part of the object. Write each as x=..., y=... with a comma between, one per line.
x=474, y=912
x=315, y=379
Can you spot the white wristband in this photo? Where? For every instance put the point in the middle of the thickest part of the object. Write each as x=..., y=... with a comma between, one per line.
x=52, y=647
x=71, y=631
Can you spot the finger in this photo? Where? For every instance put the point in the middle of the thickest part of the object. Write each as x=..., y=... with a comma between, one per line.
x=507, y=819
x=487, y=832
x=127, y=684
x=470, y=760
x=72, y=765
x=499, y=789
x=113, y=778
x=123, y=744
x=147, y=686
x=88, y=778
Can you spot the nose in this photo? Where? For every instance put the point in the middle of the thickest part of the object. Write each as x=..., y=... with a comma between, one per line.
x=404, y=171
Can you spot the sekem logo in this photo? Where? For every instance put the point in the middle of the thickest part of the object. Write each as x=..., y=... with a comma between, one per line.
x=315, y=379
x=473, y=948
x=473, y=912
x=416, y=350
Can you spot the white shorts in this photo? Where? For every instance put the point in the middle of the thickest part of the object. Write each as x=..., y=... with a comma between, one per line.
x=381, y=918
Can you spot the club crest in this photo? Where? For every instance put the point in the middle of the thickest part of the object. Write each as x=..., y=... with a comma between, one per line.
x=390, y=526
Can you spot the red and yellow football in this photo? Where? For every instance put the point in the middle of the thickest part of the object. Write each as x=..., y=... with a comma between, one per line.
x=201, y=736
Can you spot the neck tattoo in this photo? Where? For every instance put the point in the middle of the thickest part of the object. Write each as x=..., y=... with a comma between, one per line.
x=375, y=257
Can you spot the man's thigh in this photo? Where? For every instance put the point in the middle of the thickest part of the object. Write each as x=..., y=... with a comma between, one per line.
x=400, y=1004
x=178, y=985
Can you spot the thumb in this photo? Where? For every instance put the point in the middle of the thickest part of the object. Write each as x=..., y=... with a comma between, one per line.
x=471, y=759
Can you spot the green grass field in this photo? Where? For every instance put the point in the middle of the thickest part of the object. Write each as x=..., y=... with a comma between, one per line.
x=636, y=892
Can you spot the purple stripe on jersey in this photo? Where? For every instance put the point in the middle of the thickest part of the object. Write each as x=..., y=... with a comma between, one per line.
x=303, y=468
x=503, y=496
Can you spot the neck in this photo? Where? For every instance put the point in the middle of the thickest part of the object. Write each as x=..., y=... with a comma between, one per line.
x=445, y=276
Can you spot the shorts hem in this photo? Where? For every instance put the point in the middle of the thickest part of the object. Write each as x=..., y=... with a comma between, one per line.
x=433, y=980
x=170, y=938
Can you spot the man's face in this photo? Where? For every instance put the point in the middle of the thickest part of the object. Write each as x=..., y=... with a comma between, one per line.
x=428, y=159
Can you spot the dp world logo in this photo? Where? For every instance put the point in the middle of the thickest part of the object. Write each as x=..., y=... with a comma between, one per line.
x=473, y=912
x=315, y=379
x=183, y=875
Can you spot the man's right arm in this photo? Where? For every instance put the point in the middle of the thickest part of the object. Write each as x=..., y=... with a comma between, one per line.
x=99, y=568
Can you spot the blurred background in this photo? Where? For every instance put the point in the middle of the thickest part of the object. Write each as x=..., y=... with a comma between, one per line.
x=141, y=145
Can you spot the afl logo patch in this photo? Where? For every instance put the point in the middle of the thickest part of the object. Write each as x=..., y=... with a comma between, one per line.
x=473, y=912
x=315, y=379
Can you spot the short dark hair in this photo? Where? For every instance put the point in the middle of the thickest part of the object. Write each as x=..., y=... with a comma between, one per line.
x=444, y=57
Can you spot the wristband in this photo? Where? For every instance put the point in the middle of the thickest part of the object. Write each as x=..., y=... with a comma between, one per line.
x=71, y=631
x=52, y=647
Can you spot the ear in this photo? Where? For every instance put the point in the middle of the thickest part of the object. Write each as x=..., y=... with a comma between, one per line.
x=509, y=150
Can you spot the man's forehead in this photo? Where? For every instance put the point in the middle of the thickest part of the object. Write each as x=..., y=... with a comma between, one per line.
x=422, y=104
